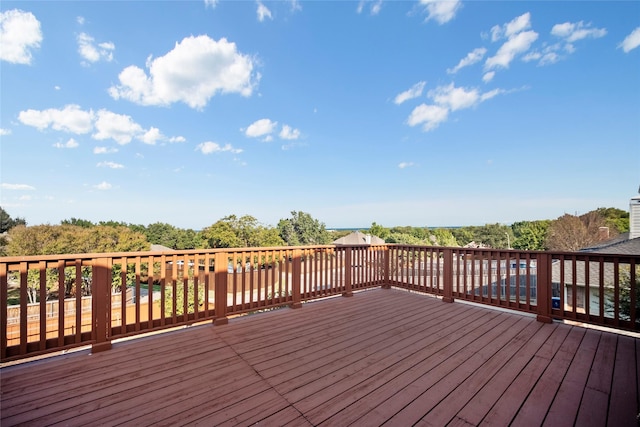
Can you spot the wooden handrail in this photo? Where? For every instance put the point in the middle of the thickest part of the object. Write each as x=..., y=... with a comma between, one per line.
x=156, y=290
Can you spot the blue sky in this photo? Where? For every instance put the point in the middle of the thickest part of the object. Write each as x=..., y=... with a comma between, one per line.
x=404, y=113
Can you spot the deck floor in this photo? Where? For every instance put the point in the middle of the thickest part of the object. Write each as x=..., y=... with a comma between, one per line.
x=380, y=357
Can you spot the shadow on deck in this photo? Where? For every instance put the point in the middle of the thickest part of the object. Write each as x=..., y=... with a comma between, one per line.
x=382, y=356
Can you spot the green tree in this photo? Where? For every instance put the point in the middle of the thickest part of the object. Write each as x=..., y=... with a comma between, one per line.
x=615, y=218
x=77, y=221
x=242, y=232
x=403, y=238
x=303, y=229
x=463, y=235
x=7, y=223
x=530, y=235
x=160, y=233
x=378, y=230
x=221, y=235
x=443, y=237
x=67, y=239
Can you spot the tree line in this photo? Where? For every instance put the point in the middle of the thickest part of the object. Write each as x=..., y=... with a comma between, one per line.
x=566, y=233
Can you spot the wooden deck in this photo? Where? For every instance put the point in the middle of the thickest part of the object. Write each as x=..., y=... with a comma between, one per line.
x=380, y=357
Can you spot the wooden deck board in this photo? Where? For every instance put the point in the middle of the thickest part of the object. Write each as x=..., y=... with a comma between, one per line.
x=381, y=356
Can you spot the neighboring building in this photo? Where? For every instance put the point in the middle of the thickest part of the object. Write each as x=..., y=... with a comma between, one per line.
x=590, y=275
x=358, y=238
x=160, y=248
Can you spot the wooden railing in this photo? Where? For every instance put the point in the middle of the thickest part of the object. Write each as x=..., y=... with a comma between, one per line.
x=65, y=301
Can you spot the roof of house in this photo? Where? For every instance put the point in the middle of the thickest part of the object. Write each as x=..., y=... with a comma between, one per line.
x=358, y=238
x=619, y=245
x=160, y=248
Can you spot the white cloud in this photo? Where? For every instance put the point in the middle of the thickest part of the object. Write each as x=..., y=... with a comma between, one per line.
x=119, y=127
x=429, y=116
x=151, y=136
x=194, y=71
x=263, y=11
x=454, y=98
x=491, y=94
x=631, y=42
x=111, y=165
x=515, y=45
x=413, y=92
x=288, y=132
x=213, y=147
x=177, y=139
x=295, y=5
x=20, y=187
x=71, y=143
x=80, y=20
x=472, y=57
x=515, y=26
x=260, y=128
x=70, y=119
x=376, y=6
x=440, y=10
x=104, y=150
x=572, y=32
x=447, y=99
x=103, y=186
x=92, y=52
x=20, y=34
x=211, y=3
x=4, y=132
x=25, y=198
x=487, y=77
x=403, y=165
x=548, y=55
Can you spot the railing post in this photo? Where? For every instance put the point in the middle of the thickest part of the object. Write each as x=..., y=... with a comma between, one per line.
x=447, y=275
x=4, y=285
x=348, y=291
x=386, y=269
x=543, y=288
x=221, y=259
x=101, y=301
x=296, y=279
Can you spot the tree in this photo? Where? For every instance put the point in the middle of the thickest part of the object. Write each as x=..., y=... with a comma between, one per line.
x=79, y=222
x=243, y=232
x=403, y=239
x=530, y=235
x=7, y=223
x=303, y=229
x=443, y=237
x=615, y=219
x=572, y=233
x=463, y=235
x=378, y=230
x=67, y=239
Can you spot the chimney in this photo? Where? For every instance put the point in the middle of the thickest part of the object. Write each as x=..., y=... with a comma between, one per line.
x=634, y=218
x=603, y=233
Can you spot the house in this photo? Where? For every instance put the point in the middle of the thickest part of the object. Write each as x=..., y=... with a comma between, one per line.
x=358, y=238
x=566, y=277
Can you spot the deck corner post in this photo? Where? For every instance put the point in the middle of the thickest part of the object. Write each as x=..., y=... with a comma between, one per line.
x=221, y=261
x=348, y=291
x=543, y=288
x=447, y=276
x=101, y=302
x=296, y=279
x=385, y=268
